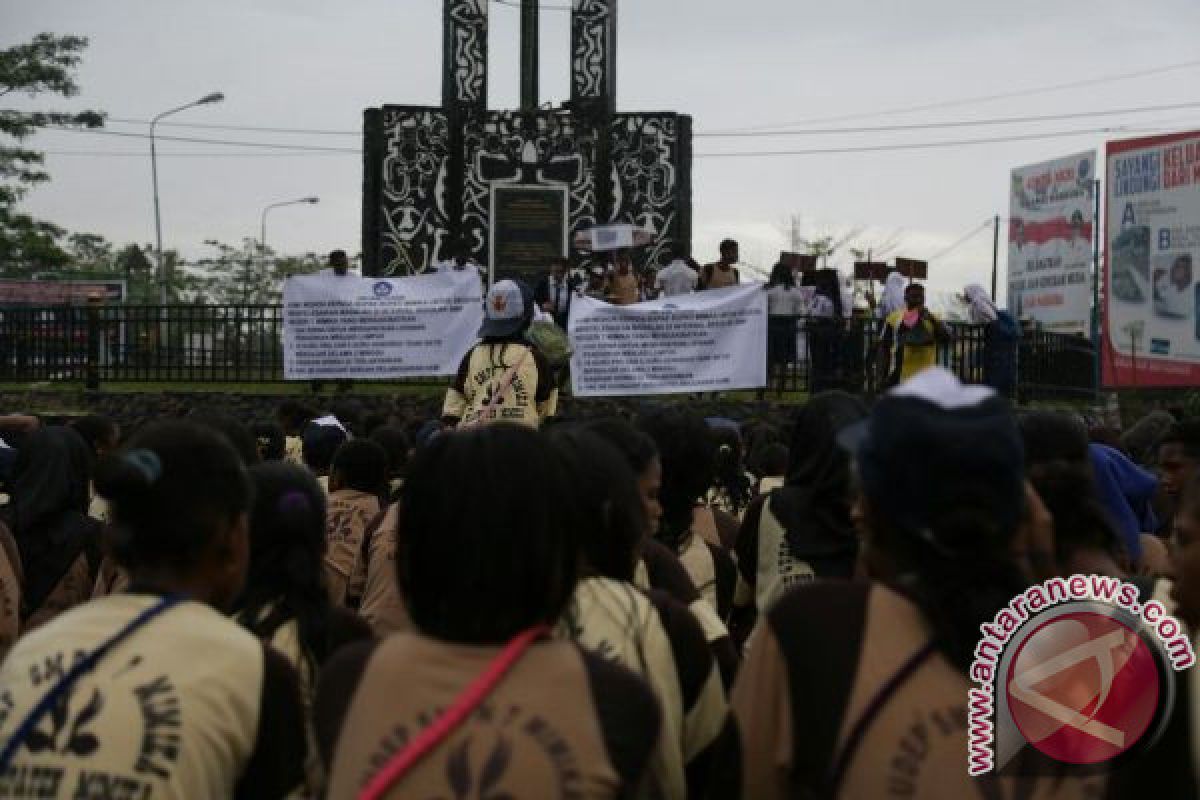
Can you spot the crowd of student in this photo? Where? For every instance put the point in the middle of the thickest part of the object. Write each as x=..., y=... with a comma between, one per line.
x=668, y=606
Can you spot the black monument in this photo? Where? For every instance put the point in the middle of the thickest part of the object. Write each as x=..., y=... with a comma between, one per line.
x=523, y=182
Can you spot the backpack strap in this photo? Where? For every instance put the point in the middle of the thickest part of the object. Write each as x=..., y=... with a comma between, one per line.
x=471, y=698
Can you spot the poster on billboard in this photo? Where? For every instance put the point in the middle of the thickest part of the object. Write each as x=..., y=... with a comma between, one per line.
x=1051, y=218
x=1152, y=230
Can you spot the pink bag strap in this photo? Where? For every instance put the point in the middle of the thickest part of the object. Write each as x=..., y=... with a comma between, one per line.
x=470, y=699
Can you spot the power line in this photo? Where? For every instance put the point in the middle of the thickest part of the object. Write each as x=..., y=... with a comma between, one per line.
x=215, y=154
x=920, y=126
x=987, y=98
x=910, y=145
x=198, y=140
x=243, y=128
x=960, y=242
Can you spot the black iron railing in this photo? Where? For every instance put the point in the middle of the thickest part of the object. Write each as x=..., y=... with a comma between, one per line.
x=244, y=344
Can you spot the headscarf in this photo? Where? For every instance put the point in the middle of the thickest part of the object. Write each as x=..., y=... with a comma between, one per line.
x=813, y=505
x=893, y=293
x=1126, y=490
x=48, y=515
x=1141, y=440
x=982, y=310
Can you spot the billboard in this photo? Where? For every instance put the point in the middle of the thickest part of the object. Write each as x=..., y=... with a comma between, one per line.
x=1152, y=234
x=1051, y=219
x=54, y=293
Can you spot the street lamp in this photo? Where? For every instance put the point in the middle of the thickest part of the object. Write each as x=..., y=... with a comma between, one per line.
x=214, y=97
x=262, y=239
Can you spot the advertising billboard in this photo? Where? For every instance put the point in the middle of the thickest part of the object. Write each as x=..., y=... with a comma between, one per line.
x=1051, y=211
x=1152, y=233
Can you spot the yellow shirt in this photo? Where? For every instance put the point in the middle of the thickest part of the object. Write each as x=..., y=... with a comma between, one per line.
x=915, y=358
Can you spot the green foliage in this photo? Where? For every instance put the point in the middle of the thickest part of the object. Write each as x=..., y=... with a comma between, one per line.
x=246, y=274
x=45, y=65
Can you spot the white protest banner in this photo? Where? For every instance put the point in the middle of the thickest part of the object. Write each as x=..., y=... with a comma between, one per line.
x=1050, y=242
x=707, y=341
x=350, y=327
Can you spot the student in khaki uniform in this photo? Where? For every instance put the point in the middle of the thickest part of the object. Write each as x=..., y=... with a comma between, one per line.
x=285, y=601
x=175, y=701
x=650, y=633
x=622, y=287
x=722, y=274
x=503, y=378
x=59, y=544
x=481, y=579
x=852, y=689
x=358, y=480
x=10, y=591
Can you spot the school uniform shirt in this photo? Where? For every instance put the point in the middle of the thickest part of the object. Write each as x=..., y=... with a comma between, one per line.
x=910, y=359
x=346, y=520
x=658, y=639
x=529, y=396
x=561, y=723
x=716, y=276
x=712, y=571
x=676, y=278
x=382, y=607
x=623, y=289
x=293, y=450
x=821, y=660
x=190, y=705
x=10, y=591
x=111, y=578
x=785, y=301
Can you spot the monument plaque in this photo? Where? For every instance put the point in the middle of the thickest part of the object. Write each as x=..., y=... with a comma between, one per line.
x=529, y=228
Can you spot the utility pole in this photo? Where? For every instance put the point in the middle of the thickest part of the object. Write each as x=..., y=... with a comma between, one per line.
x=995, y=253
x=529, y=55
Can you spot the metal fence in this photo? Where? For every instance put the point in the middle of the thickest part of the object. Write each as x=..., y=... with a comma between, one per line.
x=244, y=344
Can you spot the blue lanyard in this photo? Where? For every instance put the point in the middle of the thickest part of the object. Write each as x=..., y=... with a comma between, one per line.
x=86, y=664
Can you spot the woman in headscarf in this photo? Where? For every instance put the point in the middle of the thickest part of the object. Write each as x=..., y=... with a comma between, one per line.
x=1126, y=491
x=893, y=295
x=58, y=543
x=981, y=310
x=803, y=531
x=825, y=330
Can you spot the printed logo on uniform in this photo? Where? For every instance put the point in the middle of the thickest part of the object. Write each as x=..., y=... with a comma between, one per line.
x=1078, y=670
x=382, y=289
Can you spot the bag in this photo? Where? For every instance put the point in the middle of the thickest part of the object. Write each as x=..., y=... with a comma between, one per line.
x=551, y=341
x=471, y=698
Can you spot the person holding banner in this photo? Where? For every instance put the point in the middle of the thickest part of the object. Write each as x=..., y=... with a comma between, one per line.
x=503, y=378
x=623, y=286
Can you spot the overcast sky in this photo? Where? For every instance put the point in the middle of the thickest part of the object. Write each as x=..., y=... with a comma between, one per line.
x=731, y=65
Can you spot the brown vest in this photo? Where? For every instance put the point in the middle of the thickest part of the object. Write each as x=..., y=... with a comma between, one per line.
x=718, y=278
x=382, y=607
x=349, y=514
x=537, y=734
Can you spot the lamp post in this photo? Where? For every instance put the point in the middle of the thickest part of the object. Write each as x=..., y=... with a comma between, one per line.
x=262, y=238
x=215, y=97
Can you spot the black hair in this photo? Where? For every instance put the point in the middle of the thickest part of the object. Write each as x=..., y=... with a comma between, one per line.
x=686, y=452
x=1186, y=435
x=726, y=244
x=771, y=459
x=320, y=444
x=233, y=429
x=781, y=275
x=293, y=416
x=827, y=285
x=729, y=473
x=1059, y=468
x=637, y=448
x=96, y=429
x=287, y=544
x=270, y=441
x=362, y=465
x=396, y=443
x=606, y=509
x=171, y=490
x=480, y=569
x=338, y=258
x=351, y=414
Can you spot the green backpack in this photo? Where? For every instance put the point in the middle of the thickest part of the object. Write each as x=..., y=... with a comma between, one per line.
x=551, y=341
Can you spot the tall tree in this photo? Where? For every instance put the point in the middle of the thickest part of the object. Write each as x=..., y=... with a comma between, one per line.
x=45, y=65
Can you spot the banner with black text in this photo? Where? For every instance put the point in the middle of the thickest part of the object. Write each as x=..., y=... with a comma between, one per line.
x=351, y=327
x=714, y=340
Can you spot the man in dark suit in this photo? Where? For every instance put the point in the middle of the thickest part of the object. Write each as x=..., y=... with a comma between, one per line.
x=554, y=292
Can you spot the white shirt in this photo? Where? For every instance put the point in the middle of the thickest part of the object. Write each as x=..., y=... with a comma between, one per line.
x=353, y=273
x=450, y=265
x=785, y=301
x=676, y=278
